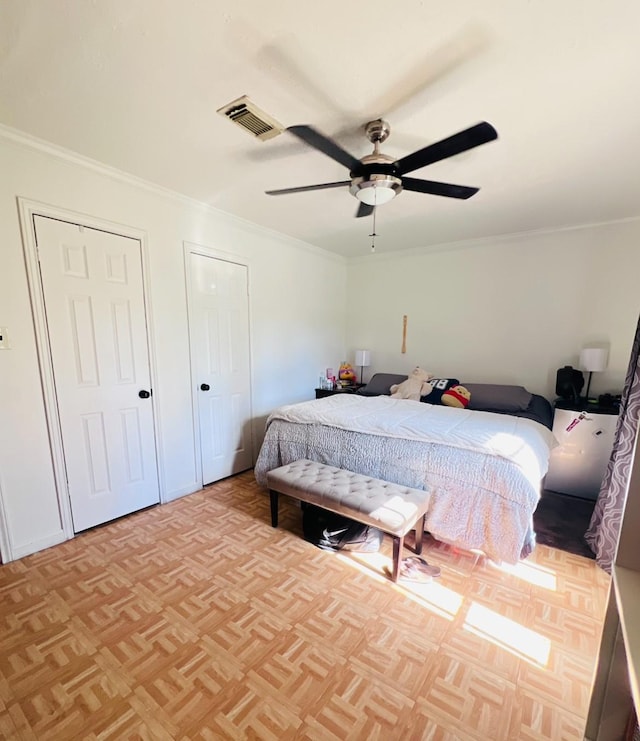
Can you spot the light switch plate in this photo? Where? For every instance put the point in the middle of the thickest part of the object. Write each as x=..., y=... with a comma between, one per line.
x=4, y=339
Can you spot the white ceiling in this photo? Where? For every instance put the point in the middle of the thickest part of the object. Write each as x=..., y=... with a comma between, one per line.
x=136, y=84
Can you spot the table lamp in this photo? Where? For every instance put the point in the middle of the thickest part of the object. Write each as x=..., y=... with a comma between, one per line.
x=363, y=359
x=593, y=360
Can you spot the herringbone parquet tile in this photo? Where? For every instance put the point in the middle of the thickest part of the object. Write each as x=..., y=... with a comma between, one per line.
x=198, y=620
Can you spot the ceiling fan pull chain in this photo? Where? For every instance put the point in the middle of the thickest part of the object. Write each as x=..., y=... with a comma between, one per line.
x=373, y=234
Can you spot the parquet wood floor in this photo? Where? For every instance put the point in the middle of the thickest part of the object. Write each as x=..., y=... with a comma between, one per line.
x=198, y=620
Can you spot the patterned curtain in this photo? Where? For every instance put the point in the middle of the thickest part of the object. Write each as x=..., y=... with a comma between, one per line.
x=604, y=528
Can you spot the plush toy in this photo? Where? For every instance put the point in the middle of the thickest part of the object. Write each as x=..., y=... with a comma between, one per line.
x=414, y=387
x=456, y=396
x=346, y=374
x=440, y=385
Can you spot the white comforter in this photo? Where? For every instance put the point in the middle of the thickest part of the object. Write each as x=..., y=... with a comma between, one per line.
x=483, y=470
x=522, y=441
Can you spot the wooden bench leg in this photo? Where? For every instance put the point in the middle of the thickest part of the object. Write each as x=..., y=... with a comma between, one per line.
x=273, y=496
x=398, y=543
x=420, y=533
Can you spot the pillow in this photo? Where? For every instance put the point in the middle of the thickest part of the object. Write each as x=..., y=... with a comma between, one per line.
x=380, y=384
x=456, y=396
x=440, y=385
x=498, y=397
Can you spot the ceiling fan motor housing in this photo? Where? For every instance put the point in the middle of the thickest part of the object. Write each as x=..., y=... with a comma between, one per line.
x=377, y=131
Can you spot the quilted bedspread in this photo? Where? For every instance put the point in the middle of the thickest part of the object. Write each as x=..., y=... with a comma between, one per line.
x=484, y=470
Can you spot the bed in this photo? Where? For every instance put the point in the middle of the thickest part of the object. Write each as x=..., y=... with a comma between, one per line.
x=483, y=465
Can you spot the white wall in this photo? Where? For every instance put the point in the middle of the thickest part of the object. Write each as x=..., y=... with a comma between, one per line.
x=295, y=331
x=507, y=310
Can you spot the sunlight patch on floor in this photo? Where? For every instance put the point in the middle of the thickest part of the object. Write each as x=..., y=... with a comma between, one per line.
x=440, y=600
x=371, y=564
x=530, y=572
x=516, y=638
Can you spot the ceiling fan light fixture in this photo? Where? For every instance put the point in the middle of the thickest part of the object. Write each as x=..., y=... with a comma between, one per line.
x=376, y=189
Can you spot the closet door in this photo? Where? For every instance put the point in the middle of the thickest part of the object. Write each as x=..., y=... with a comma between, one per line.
x=94, y=305
x=219, y=322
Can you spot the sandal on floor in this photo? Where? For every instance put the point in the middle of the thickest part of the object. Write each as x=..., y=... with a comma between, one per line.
x=411, y=572
x=422, y=564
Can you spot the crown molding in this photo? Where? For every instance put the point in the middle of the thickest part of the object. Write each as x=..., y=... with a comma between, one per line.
x=490, y=240
x=23, y=139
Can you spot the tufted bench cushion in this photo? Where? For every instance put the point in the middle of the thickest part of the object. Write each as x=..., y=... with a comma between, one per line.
x=393, y=508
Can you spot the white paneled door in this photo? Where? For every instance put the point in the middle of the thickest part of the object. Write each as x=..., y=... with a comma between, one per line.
x=94, y=305
x=219, y=321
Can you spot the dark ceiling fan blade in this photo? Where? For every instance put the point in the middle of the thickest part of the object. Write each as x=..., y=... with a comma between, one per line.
x=364, y=209
x=462, y=141
x=438, y=189
x=325, y=145
x=304, y=188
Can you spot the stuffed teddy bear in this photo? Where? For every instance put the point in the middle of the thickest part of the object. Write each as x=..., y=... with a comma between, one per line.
x=414, y=387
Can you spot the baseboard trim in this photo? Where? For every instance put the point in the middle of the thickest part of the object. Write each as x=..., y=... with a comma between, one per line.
x=170, y=496
x=34, y=546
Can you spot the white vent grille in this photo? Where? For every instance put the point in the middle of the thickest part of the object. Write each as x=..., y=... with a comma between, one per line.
x=246, y=114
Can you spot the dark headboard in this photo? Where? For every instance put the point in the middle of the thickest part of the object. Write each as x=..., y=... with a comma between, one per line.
x=486, y=397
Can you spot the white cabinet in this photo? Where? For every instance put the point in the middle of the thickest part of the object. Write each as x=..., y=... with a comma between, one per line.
x=584, y=442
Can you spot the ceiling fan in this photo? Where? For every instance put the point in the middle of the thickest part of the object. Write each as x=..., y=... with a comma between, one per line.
x=378, y=178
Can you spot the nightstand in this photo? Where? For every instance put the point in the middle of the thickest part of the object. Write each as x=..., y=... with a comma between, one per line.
x=585, y=435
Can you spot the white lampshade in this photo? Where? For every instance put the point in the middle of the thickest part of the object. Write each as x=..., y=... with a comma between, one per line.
x=363, y=358
x=594, y=359
x=375, y=195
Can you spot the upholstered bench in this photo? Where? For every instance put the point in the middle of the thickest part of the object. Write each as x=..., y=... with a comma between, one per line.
x=393, y=508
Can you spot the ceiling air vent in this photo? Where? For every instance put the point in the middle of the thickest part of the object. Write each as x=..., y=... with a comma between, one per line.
x=245, y=113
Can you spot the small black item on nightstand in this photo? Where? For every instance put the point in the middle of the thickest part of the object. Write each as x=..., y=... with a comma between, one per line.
x=610, y=401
